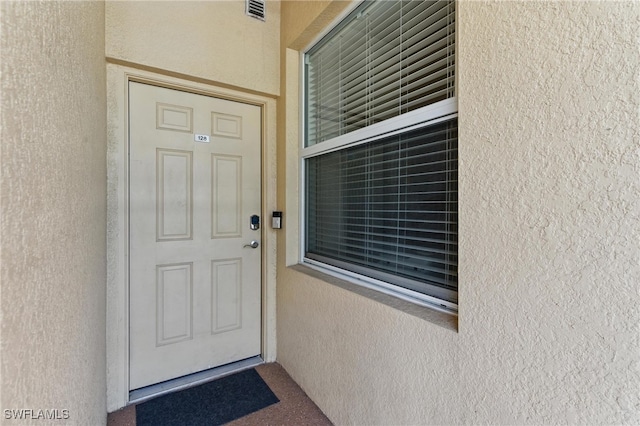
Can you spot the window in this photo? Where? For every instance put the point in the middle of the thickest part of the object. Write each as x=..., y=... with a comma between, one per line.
x=380, y=151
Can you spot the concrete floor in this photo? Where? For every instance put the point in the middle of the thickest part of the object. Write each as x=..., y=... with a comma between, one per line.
x=294, y=408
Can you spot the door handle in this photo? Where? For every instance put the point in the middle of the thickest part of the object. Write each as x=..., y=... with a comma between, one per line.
x=252, y=244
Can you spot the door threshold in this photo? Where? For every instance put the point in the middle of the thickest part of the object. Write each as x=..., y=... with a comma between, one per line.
x=137, y=396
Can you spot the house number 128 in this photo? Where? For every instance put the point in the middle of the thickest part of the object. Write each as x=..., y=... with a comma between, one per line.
x=202, y=138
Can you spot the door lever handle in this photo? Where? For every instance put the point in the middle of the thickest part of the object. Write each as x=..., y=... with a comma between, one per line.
x=252, y=244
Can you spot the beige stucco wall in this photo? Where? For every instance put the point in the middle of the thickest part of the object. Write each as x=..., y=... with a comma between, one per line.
x=210, y=40
x=53, y=207
x=305, y=19
x=549, y=325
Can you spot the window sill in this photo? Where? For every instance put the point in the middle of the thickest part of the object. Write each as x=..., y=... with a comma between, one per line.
x=441, y=319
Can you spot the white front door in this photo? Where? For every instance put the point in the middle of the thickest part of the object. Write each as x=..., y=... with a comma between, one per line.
x=195, y=287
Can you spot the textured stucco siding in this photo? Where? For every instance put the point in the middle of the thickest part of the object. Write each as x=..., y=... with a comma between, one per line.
x=211, y=40
x=549, y=325
x=53, y=206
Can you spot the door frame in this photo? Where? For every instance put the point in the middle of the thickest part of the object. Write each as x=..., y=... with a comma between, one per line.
x=117, y=315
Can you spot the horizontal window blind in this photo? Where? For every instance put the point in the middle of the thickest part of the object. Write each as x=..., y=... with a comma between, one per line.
x=386, y=58
x=388, y=209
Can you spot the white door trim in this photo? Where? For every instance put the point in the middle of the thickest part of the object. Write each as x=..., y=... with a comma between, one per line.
x=117, y=345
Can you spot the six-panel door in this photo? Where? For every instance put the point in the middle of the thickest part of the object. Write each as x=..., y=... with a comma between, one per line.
x=194, y=287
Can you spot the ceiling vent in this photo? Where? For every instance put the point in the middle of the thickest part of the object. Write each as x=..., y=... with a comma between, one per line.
x=256, y=9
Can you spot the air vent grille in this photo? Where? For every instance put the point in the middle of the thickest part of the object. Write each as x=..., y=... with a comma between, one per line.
x=256, y=9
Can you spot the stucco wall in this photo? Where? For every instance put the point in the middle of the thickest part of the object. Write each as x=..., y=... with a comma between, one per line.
x=211, y=40
x=53, y=207
x=305, y=19
x=549, y=325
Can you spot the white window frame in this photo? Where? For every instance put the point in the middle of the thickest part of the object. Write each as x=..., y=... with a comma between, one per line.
x=423, y=117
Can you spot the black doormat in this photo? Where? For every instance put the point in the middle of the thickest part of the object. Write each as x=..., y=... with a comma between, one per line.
x=213, y=403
